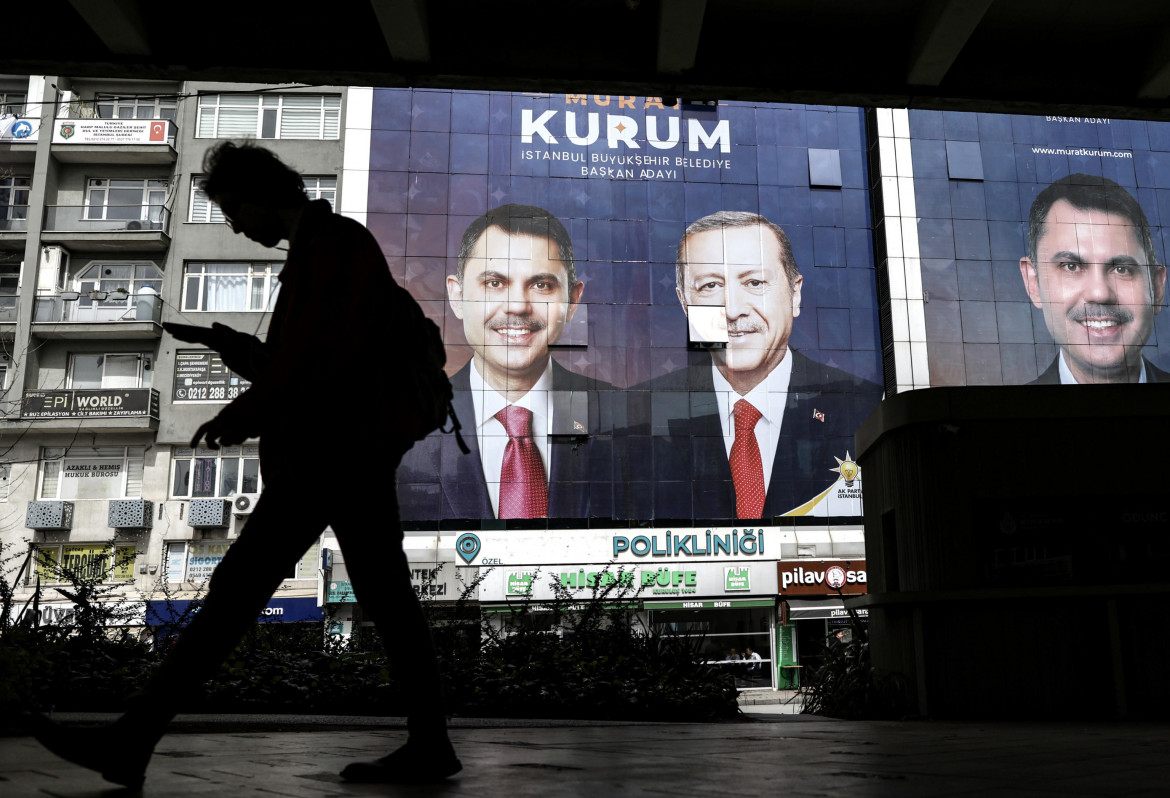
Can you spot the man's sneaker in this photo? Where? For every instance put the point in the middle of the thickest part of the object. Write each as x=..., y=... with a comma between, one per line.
x=413, y=763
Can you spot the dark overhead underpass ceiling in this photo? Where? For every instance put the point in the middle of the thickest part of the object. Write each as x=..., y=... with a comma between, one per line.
x=1082, y=57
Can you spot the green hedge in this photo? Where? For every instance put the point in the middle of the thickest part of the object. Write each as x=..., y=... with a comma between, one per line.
x=598, y=664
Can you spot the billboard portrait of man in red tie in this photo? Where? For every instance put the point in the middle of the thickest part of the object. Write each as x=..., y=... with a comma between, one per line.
x=763, y=421
x=515, y=289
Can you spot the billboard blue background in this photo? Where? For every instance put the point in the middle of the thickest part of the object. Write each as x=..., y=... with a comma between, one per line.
x=439, y=159
x=981, y=327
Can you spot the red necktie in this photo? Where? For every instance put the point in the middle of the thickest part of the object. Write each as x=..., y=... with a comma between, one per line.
x=523, y=484
x=747, y=468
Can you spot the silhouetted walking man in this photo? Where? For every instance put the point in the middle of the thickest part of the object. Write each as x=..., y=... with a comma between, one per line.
x=330, y=320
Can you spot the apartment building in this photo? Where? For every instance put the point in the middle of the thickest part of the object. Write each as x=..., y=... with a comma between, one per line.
x=105, y=235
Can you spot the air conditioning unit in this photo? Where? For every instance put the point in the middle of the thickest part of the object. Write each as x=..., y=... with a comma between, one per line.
x=50, y=516
x=209, y=513
x=245, y=503
x=131, y=514
x=134, y=224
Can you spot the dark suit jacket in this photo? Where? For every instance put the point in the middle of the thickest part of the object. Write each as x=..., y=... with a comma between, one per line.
x=436, y=481
x=1051, y=375
x=691, y=478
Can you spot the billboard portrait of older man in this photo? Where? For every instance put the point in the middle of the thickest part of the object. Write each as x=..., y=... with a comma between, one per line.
x=751, y=430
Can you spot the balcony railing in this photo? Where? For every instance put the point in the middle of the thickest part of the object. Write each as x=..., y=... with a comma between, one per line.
x=111, y=218
x=8, y=309
x=114, y=131
x=96, y=307
x=14, y=219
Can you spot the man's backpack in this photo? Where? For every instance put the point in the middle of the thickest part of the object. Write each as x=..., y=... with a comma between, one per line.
x=425, y=392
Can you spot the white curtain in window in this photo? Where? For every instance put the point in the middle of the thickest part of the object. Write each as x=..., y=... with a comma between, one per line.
x=237, y=122
x=205, y=128
x=202, y=208
x=225, y=288
x=300, y=117
x=134, y=468
x=332, y=125
x=51, y=479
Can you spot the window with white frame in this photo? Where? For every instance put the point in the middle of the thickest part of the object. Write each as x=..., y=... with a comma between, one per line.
x=269, y=116
x=322, y=188
x=92, y=370
x=204, y=211
x=176, y=561
x=89, y=561
x=12, y=102
x=146, y=106
x=132, y=199
x=91, y=472
x=230, y=287
x=124, y=284
x=203, y=473
x=194, y=561
x=13, y=200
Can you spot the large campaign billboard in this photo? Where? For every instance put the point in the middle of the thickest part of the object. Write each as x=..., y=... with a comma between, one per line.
x=1042, y=244
x=654, y=311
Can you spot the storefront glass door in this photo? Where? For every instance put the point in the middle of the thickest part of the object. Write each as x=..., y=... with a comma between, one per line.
x=737, y=640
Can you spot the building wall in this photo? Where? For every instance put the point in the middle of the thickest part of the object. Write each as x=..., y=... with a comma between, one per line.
x=40, y=353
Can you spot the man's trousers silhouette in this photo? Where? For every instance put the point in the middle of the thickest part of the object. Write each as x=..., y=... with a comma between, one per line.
x=289, y=516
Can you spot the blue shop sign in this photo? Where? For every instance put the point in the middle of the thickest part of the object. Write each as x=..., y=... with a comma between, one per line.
x=279, y=610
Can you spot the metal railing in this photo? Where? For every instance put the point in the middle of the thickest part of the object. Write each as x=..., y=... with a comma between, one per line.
x=110, y=218
x=97, y=307
x=13, y=219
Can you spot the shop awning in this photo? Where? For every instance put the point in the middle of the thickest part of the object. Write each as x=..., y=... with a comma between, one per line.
x=812, y=609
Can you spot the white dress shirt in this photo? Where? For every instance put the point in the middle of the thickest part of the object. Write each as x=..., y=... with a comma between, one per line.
x=492, y=436
x=1067, y=378
x=769, y=397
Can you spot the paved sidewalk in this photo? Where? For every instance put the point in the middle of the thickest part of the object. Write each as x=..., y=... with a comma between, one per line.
x=772, y=755
x=770, y=702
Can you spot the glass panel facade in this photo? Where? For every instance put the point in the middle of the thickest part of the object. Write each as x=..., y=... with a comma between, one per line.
x=1041, y=246
x=506, y=214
